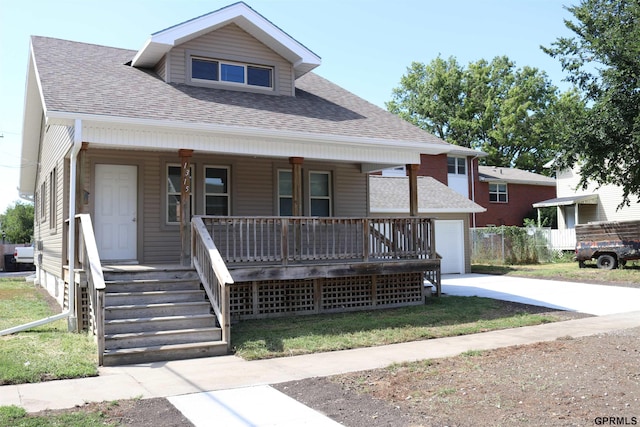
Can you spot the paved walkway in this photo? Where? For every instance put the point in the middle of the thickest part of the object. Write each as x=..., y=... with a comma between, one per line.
x=232, y=386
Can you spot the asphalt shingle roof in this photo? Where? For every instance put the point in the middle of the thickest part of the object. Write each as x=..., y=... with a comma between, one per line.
x=514, y=176
x=392, y=193
x=92, y=79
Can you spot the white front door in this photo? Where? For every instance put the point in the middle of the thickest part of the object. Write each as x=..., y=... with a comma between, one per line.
x=450, y=245
x=116, y=212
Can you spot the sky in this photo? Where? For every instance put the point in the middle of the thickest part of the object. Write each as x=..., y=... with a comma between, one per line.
x=365, y=45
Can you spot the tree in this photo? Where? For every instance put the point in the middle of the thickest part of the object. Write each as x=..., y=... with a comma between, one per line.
x=492, y=106
x=603, y=61
x=17, y=223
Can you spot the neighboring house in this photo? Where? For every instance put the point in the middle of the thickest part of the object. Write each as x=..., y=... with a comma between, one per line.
x=449, y=210
x=508, y=194
x=215, y=132
x=576, y=205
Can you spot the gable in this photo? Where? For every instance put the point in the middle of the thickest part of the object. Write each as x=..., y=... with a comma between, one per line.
x=241, y=14
x=229, y=43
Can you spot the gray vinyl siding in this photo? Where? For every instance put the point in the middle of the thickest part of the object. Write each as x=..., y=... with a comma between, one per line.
x=233, y=44
x=253, y=192
x=161, y=69
x=57, y=142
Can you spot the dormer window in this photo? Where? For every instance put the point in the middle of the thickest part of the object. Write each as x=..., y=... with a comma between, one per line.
x=205, y=70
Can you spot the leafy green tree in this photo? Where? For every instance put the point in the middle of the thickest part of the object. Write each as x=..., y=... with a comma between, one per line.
x=603, y=61
x=492, y=106
x=17, y=223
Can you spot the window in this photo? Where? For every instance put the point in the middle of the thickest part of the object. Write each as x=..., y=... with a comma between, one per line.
x=43, y=202
x=216, y=190
x=320, y=193
x=174, y=186
x=52, y=198
x=397, y=171
x=457, y=165
x=210, y=70
x=285, y=193
x=498, y=193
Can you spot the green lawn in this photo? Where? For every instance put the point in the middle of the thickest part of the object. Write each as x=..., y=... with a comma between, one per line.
x=43, y=353
x=565, y=271
x=440, y=317
x=17, y=417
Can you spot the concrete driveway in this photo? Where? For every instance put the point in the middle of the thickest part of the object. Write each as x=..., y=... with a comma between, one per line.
x=582, y=297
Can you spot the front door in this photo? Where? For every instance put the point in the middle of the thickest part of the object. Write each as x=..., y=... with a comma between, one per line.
x=116, y=213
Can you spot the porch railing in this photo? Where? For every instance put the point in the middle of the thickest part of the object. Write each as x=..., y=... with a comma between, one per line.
x=290, y=240
x=213, y=273
x=88, y=260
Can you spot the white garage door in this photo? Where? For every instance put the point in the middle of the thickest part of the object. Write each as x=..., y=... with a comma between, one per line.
x=450, y=245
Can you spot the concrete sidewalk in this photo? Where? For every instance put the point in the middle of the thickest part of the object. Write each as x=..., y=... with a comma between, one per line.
x=228, y=387
x=164, y=379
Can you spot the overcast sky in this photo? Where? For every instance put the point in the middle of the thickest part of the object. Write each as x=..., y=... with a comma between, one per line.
x=365, y=45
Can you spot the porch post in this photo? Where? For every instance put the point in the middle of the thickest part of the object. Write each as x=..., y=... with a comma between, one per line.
x=296, y=177
x=81, y=190
x=185, y=207
x=412, y=172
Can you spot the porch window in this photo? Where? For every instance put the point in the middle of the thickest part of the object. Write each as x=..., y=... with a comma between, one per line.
x=210, y=70
x=216, y=189
x=320, y=193
x=285, y=193
x=498, y=193
x=457, y=165
x=174, y=186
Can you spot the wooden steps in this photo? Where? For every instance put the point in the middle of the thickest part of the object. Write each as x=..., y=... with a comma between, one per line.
x=158, y=315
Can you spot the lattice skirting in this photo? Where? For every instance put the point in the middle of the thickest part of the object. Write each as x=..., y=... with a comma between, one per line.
x=274, y=298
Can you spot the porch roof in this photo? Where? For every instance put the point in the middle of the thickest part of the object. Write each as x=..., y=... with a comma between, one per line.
x=584, y=199
x=390, y=195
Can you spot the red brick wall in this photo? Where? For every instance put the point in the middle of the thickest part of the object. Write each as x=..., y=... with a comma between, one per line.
x=520, y=199
x=434, y=166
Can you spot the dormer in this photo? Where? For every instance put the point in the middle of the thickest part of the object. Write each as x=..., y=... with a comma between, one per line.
x=233, y=48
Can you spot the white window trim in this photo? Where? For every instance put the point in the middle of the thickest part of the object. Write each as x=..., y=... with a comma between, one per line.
x=457, y=163
x=330, y=188
x=221, y=82
x=166, y=192
x=498, y=192
x=279, y=196
x=204, y=187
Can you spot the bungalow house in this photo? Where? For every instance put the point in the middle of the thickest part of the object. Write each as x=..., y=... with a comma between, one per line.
x=211, y=176
x=577, y=205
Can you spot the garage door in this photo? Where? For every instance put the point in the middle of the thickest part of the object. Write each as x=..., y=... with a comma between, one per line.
x=450, y=245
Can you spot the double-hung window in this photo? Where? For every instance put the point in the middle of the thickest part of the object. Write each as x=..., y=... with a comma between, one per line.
x=53, y=199
x=320, y=194
x=285, y=193
x=174, y=187
x=456, y=165
x=216, y=190
x=210, y=70
x=498, y=193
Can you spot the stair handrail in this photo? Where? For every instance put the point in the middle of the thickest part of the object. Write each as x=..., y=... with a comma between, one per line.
x=89, y=261
x=213, y=273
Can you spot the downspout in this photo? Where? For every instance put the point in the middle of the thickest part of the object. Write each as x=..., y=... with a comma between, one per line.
x=473, y=190
x=77, y=146
x=70, y=313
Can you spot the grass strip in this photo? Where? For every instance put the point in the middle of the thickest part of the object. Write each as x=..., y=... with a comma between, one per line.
x=43, y=353
x=440, y=317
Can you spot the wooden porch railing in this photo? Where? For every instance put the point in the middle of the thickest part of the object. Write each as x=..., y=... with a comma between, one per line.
x=213, y=273
x=289, y=240
x=88, y=260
